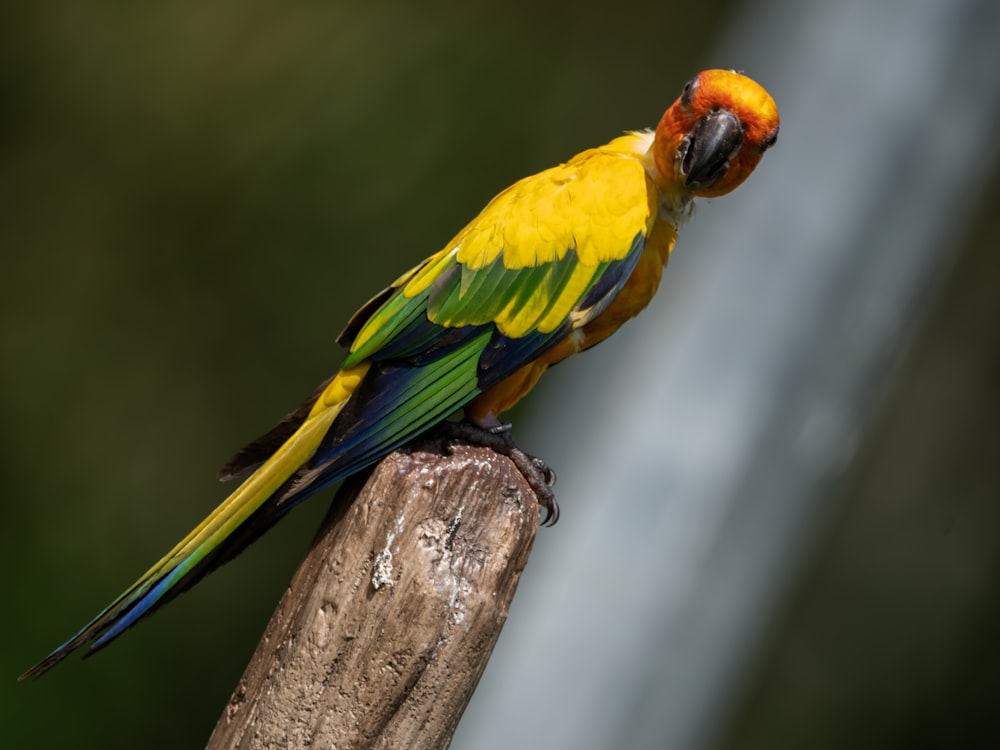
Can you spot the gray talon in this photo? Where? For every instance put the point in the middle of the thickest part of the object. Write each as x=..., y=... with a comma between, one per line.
x=535, y=471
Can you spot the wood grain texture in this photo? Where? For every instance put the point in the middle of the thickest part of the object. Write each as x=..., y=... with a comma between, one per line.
x=388, y=623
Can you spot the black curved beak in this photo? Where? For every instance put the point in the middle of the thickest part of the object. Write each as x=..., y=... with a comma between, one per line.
x=705, y=153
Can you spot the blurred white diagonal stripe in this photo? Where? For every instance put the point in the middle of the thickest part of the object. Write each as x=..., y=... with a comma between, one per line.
x=694, y=447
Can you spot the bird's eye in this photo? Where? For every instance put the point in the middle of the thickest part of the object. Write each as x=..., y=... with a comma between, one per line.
x=769, y=140
x=687, y=95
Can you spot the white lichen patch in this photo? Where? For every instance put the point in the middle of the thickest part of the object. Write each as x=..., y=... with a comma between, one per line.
x=456, y=602
x=382, y=567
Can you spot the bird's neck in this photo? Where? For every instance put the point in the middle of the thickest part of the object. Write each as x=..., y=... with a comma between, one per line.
x=676, y=205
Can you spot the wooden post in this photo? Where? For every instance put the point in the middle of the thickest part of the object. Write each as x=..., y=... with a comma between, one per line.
x=388, y=624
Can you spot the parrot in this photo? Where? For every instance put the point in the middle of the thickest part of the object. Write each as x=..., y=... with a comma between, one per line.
x=550, y=267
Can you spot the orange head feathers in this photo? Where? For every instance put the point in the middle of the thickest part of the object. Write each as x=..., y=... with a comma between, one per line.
x=713, y=136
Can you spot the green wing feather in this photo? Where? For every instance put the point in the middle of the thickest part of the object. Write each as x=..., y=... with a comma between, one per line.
x=544, y=257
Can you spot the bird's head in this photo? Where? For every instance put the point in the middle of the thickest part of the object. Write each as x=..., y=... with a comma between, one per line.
x=713, y=136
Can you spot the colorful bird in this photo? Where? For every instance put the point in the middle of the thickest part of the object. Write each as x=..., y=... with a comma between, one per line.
x=552, y=266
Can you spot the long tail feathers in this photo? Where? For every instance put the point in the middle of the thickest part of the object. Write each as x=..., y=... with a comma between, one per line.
x=168, y=577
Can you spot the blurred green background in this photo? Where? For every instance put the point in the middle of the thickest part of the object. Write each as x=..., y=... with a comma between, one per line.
x=197, y=196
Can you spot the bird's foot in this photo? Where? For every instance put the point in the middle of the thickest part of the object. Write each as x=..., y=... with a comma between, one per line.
x=535, y=471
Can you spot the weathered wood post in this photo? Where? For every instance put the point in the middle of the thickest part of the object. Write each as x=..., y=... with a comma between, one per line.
x=388, y=623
